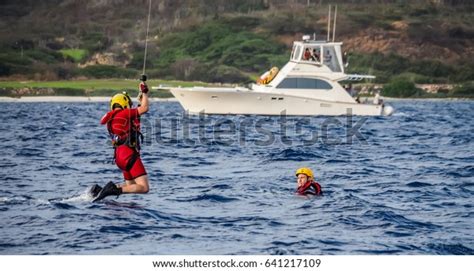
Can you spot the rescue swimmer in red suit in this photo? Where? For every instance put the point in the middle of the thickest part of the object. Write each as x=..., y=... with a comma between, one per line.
x=123, y=125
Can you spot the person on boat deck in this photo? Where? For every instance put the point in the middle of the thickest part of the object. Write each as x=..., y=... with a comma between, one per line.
x=123, y=125
x=307, y=54
x=351, y=90
x=377, y=99
x=327, y=56
x=315, y=55
x=306, y=183
x=347, y=89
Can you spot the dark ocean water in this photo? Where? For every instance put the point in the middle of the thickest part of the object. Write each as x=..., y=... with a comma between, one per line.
x=225, y=184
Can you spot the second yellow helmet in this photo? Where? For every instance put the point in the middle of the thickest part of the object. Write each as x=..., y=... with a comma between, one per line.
x=304, y=170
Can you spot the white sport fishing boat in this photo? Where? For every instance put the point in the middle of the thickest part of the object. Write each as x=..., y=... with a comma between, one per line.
x=308, y=85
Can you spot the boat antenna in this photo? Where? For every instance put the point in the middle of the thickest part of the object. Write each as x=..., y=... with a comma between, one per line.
x=146, y=39
x=334, y=24
x=329, y=23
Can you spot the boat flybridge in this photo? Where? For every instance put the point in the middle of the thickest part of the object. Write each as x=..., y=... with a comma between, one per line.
x=307, y=85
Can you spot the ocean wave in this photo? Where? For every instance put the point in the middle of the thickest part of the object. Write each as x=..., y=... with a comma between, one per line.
x=209, y=197
x=291, y=154
x=418, y=184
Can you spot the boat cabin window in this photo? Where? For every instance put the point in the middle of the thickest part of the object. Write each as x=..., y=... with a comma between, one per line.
x=296, y=52
x=304, y=83
x=311, y=53
x=330, y=58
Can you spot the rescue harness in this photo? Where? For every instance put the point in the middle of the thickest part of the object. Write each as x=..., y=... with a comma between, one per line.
x=132, y=139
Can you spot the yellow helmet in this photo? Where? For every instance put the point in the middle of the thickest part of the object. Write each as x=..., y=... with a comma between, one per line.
x=304, y=170
x=121, y=99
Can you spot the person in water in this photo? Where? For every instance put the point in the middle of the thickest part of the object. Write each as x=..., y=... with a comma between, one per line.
x=123, y=125
x=306, y=183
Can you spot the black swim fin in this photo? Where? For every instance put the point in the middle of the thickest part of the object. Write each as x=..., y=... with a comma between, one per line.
x=94, y=190
x=110, y=189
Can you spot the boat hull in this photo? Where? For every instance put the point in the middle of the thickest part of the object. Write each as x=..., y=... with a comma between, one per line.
x=237, y=102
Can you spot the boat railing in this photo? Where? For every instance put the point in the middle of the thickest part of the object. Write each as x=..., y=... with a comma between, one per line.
x=358, y=77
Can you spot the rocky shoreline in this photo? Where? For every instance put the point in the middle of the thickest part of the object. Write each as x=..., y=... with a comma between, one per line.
x=68, y=99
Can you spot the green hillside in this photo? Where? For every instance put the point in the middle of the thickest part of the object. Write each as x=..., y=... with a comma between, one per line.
x=424, y=41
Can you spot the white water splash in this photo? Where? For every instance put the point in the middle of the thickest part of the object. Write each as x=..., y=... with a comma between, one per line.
x=15, y=198
x=401, y=114
x=85, y=196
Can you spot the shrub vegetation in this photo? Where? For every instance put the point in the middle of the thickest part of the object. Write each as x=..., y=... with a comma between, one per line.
x=401, y=88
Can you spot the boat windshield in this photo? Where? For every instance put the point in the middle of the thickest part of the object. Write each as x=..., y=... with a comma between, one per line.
x=311, y=53
x=330, y=58
x=296, y=52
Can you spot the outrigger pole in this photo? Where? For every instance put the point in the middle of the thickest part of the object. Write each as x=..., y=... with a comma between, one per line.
x=329, y=23
x=334, y=25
